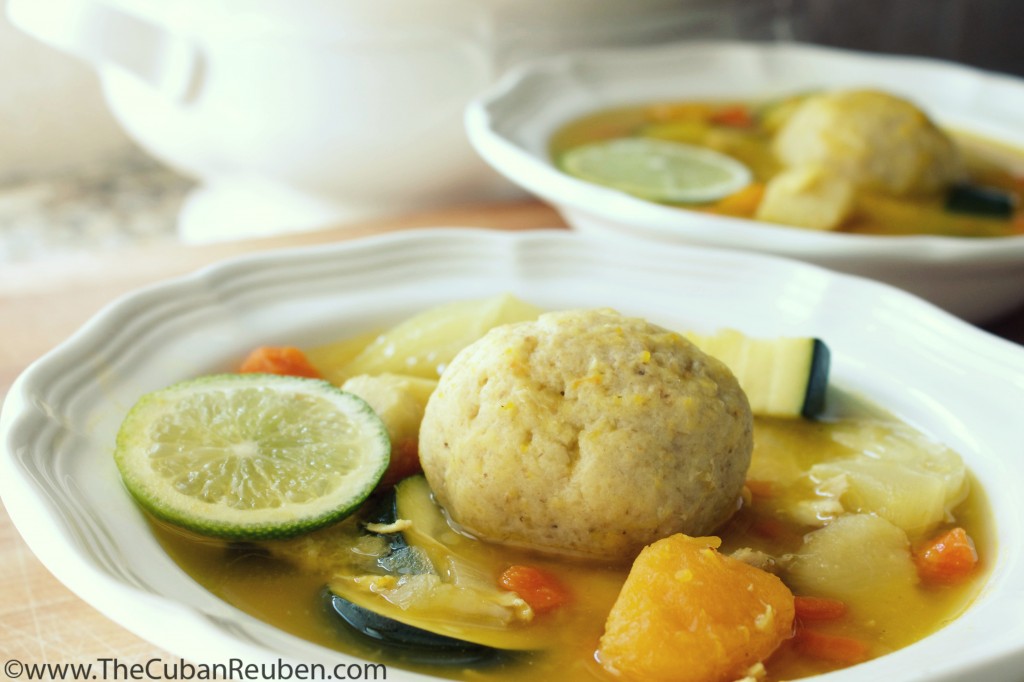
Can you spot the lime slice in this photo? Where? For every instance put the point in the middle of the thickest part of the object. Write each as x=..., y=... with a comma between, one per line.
x=659, y=170
x=251, y=456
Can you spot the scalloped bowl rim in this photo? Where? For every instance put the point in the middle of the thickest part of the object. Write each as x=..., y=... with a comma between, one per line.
x=58, y=420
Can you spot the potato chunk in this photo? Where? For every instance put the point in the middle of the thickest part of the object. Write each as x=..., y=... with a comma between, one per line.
x=859, y=558
x=399, y=401
x=807, y=197
x=897, y=473
x=687, y=613
x=425, y=343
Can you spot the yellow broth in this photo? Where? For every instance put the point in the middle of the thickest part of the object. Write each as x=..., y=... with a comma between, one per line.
x=715, y=125
x=293, y=599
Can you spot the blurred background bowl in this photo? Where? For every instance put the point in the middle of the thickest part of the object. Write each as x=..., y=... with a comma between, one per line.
x=512, y=123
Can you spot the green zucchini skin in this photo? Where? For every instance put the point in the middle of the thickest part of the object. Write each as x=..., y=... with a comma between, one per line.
x=782, y=377
x=414, y=644
x=411, y=643
x=384, y=510
x=817, y=381
x=988, y=202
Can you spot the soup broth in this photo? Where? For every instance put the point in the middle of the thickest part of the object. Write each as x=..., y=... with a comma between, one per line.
x=845, y=505
x=887, y=618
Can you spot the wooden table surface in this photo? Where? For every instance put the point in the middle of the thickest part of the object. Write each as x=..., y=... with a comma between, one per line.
x=43, y=302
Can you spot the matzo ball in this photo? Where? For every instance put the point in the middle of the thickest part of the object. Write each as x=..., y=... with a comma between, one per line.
x=875, y=140
x=586, y=433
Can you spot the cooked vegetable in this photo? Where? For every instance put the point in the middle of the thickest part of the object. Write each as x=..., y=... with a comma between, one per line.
x=424, y=344
x=687, y=613
x=819, y=608
x=895, y=472
x=459, y=556
x=808, y=197
x=423, y=600
x=455, y=595
x=982, y=201
x=399, y=401
x=374, y=555
x=539, y=588
x=284, y=360
x=742, y=204
x=415, y=643
x=947, y=559
x=343, y=548
x=783, y=377
x=735, y=115
x=833, y=648
x=858, y=558
x=330, y=359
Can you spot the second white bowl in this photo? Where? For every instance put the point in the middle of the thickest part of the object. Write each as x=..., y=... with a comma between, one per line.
x=512, y=123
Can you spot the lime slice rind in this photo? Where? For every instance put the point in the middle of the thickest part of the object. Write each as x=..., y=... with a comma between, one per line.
x=658, y=170
x=251, y=456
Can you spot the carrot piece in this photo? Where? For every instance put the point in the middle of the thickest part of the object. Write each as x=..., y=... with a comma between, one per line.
x=285, y=360
x=742, y=204
x=405, y=461
x=735, y=116
x=538, y=588
x=761, y=489
x=832, y=648
x=947, y=559
x=819, y=608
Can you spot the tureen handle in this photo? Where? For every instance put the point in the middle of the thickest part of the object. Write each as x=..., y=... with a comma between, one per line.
x=104, y=35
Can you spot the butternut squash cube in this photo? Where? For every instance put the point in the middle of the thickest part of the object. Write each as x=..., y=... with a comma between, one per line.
x=688, y=613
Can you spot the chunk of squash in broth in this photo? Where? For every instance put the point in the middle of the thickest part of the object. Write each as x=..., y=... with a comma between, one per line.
x=688, y=613
x=424, y=344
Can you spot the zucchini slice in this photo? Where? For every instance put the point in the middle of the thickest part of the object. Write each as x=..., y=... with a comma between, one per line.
x=988, y=202
x=416, y=644
x=782, y=377
x=436, y=590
